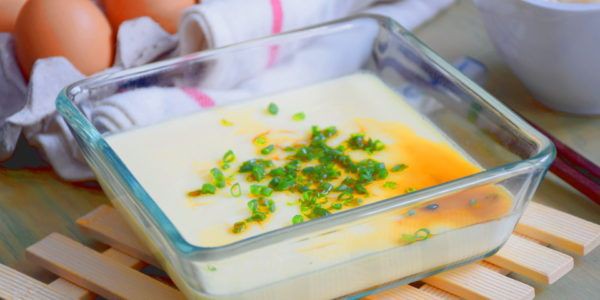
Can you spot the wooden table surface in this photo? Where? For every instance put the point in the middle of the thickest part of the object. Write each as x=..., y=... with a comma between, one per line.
x=34, y=202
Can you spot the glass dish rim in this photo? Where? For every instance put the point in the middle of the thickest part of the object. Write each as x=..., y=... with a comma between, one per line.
x=88, y=134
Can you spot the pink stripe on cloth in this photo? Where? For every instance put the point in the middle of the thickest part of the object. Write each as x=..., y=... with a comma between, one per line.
x=276, y=28
x=277, y=16
x=202, y=99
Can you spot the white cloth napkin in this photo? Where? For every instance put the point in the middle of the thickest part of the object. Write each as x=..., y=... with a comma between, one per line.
x=216, y=23
x=142, y=40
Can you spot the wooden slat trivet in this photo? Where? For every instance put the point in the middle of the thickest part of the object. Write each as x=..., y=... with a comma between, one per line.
x=113, y=273
x=439, y=293
x=16, y=285
x=559, y=229
x=102, y=275
x=533, y=260
x=76, y=292
x=403, y=292
x=107, y=226
x=478, y=282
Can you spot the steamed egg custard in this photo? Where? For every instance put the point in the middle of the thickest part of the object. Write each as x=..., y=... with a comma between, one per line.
x=236, y=171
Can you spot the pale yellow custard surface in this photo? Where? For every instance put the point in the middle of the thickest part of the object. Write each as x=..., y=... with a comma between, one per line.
x=174, y=157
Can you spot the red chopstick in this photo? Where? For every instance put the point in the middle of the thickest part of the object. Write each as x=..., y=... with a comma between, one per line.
x=572, y=167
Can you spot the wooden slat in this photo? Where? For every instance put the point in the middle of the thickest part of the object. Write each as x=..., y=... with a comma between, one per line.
x=477, y=282
x=403, y=292
x=559, y=229
x=76, y=292
x=494, y=268
x=70, y=289
x=123, y=258
x=533, y=260
x=432, y=290
x=101, y=275
x=16, y=285
x=107, y=226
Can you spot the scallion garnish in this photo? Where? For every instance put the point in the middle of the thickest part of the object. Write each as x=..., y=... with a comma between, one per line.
x=273, y=108
x=390, y=185
x=299, y=116
x=359, y=141
x=267, y=150
x=236, y=190
x=297, y=219
x=260, y=190
x=419, y=235
x=239, y=227
x=218, y=177
x=399, y=167
x=409, y=190
x=312, y=169
x=226, y=123
x=422, y=234
x=261, y=139
x=229, y=157
x=206, y=188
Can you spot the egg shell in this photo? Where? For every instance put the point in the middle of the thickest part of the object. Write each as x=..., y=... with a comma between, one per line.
x=164, y=12
x=75, y=29
x=9, y=10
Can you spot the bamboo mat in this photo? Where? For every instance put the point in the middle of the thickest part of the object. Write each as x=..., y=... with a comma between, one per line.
x=536, y=250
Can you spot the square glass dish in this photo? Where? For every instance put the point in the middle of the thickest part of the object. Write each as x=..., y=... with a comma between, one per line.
x=512, y=156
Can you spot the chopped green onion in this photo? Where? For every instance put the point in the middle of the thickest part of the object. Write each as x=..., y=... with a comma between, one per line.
x=256, y=168
x=261, y=190
x=408, y=238
x=336, y=206
x=211, y=268
x=226, y=123
x=271, y=205
x=320, y=212
x=390, y=185
x=229, y=157
x=236, y=190
x=345, y=196
x=273, y=109
x=419, y=235
x=299, y=116
x=218, y=177
x=358, y=141
x=267, y=150
x=409, y=190
x=399, y=167
x=260, y=140
x=225, y=166
x=239, y=227
x=422, y=234
x=252, y=205
x=297, y=219
x=206, y=188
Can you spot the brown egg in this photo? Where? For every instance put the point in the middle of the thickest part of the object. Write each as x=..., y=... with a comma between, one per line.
x=164, y=12
x=75, y=29
x=9, y=9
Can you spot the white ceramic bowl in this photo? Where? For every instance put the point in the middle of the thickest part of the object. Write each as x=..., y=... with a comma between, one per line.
x=554, y=48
